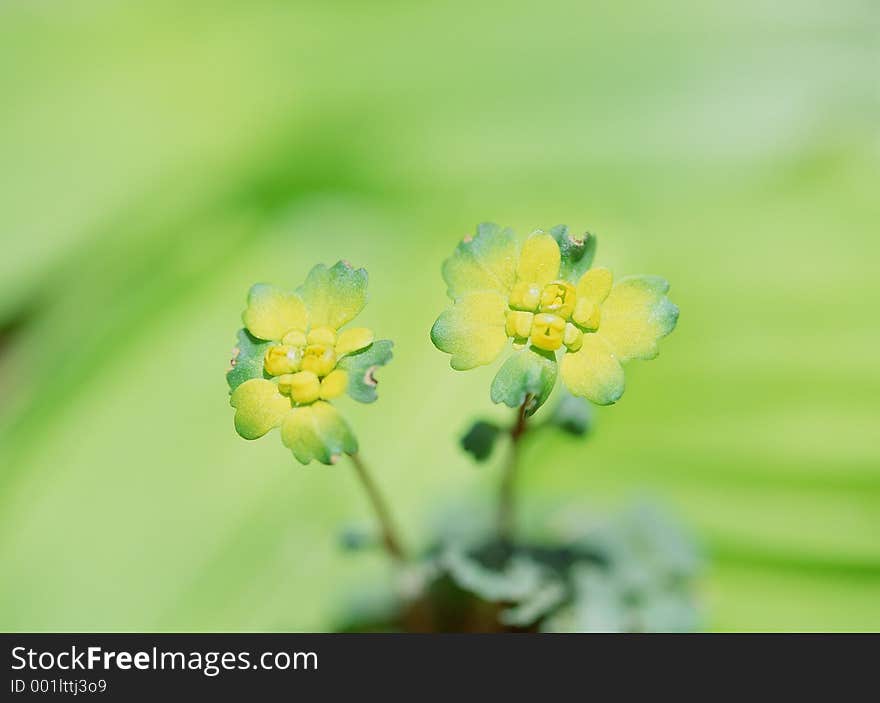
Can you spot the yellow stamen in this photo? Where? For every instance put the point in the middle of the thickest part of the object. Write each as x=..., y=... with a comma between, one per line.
x=547, y=331
x=319, y=359
x=519, y=324
x=525, y=296
x=281, y=359
x=558, y=298
x=303, y=387
x=573, y=338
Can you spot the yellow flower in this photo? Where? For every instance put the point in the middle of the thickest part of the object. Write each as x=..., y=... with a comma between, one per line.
x=554, y=309
x=293, y=358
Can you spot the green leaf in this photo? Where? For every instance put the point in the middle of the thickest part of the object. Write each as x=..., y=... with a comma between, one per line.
x=518, y=580
x=576, y=252
x=362, y=367
x=597, y=607
x=536, y=606
x=480, y=439
x=529, y=372
x=247, y=359
x=572, y=414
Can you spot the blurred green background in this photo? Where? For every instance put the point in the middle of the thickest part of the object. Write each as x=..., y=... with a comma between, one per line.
x=158, y=158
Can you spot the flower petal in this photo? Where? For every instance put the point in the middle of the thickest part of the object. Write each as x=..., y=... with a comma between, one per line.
x=529, y=372
x=319, y=432
x=593, y=372
x=336, y=295
x=247, y=359
x=539, y=261
x=258, y=407
x=361, y=368
x=576, y=252
x=482, y=263
x=636, y=315
x=472, y=330
x=272, y=312
x=595, y=284
x=353, y=340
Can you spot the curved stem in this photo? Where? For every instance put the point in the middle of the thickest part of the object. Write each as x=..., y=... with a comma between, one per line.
x=390, y=540
x=506, y=496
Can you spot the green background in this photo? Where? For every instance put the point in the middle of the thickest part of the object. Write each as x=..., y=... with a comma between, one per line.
x=156, y=159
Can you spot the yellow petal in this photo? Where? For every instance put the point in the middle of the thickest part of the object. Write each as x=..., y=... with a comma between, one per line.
x=319, y=432
x=259, y=407
x=595, y=285
x=472, y=330
x=271, y=312
x=636, y=315
x=593, y=372
x=353, y=340
x=539, y=261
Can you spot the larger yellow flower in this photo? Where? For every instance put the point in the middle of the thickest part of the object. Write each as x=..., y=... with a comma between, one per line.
x=555, y=309
x=293, y=358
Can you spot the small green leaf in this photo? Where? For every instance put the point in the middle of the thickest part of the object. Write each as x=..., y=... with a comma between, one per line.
x=597, y=606
x=529, y=372
x=576, y=252
x=247, y=359
x=572, y=414
x=361, y=369
x=518, y=580
x=535, y=606
x=480, y=439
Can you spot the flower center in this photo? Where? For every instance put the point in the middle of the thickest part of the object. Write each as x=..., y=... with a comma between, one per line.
x=550, y=317
x=305, y=366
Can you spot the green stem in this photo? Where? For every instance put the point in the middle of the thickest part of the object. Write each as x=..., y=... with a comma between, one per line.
x=506, y=496
x=390, y=540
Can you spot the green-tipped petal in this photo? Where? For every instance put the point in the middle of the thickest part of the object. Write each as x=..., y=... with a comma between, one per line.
x=336, y=295
x=258, y=407
x=485, y=262
x=593, y=372
x=539, y=260
x=247, y=359
x=472, y=330
x=361, y=368
x=636, y=315
x=271, y=312
x=527, y=373
x=317, y=432
x=576, y=253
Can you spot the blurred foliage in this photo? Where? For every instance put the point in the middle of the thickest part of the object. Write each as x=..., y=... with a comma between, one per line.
x=160, y=158
x=635, y=572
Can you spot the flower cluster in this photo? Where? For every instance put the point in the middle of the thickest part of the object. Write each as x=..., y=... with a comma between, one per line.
x=548, y=303
x=293, y=358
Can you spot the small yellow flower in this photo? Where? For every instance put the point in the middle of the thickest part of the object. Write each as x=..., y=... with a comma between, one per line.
x=293, y=358
x=554, y=308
